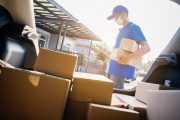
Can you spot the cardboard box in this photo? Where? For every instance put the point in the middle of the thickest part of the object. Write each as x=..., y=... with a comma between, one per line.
x=116, y=53
x=76, y=110
x=92, y=88
x=55, y=63
x=133, y=104
x=128, y=45
x=163, y=105
x=30, y=95
x=102, y=112
x=116, y=102
x=143, y=88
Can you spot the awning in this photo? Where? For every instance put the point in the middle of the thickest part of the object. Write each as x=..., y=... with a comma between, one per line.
x=50, y=16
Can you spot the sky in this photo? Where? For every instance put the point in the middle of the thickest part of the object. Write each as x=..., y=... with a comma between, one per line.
x=158, y=19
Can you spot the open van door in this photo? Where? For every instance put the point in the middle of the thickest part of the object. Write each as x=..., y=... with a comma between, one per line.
x=19, y=40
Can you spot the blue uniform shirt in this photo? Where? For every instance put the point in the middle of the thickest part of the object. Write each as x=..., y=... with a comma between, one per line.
x=130, y=31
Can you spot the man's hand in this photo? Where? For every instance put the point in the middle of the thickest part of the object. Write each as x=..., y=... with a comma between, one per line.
x=124, y=59
x=142, y=50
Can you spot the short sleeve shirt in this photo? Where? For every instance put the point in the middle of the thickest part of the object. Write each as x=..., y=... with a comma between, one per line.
x=130, y=31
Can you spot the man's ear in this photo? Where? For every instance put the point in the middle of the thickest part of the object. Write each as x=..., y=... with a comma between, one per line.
x=124, y=15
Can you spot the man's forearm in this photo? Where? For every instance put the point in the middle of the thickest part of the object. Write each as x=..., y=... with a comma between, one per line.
x=140, y=52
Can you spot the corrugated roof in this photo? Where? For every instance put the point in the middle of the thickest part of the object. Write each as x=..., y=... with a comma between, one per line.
x=49, y=16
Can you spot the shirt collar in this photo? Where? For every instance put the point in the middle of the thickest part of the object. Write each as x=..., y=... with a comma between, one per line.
x=120, y=29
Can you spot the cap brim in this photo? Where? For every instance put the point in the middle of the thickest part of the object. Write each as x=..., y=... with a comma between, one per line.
x=111, y=17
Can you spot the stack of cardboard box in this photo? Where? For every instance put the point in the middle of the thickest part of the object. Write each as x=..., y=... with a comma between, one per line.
x=127, y=47
x=91, y=99
x=139, y=102
x=38, y=95
x=138, y=107
x=87, y=88
x=43, y=94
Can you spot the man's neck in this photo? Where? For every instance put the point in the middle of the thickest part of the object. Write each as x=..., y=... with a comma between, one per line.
x=125, y=22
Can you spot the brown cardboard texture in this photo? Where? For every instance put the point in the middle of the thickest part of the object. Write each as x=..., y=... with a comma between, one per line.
x=30, y=95
x=133, y=104
x=163, y=105
x=92, y=88
x=143, y=88
x=102, y=112
x=116, y=102
x=128, y=45
x=56, y=63
x=116, y=53
x=76, y=110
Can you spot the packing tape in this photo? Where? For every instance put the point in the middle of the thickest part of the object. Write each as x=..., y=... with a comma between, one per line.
x=34, y=80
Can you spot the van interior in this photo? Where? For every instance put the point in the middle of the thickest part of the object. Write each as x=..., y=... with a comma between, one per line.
x=53, y=97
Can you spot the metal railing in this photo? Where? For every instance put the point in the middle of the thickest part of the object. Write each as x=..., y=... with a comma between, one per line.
x=88, y=65
x=91, y=66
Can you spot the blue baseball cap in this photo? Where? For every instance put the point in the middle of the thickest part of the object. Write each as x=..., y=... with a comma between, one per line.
x=118, y=9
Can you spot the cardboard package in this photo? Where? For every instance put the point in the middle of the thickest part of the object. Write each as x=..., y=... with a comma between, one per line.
x=76, y=110
x=102, y=112
x=116, y=53
x=116, y=102
x=163, y=105
x=92, y=88
x=139, y=102
x=128, y=45
x=30, y=95
x=133, y=104
x=55, y=63
x=143, y=88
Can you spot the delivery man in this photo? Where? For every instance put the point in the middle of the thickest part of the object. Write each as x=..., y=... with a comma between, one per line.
x=119, y=71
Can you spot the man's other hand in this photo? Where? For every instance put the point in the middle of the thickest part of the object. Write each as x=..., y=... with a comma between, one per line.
x=124, y=59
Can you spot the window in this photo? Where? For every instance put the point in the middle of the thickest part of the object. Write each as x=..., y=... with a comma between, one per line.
x=43, y=40
x=66, y=47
